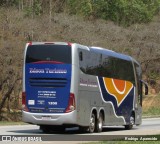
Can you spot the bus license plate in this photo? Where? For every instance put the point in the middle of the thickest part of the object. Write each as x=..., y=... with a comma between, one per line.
x=46, y=118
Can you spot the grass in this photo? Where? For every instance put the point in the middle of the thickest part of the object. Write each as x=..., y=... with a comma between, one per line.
x=153, y=109
x=7, y=123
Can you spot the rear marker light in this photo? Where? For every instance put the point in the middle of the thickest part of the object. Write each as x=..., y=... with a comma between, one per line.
x=30, y=43
x=69, y=44
x=24, y=107
x=71, y=104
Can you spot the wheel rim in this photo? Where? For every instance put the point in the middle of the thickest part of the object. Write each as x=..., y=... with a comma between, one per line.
x=100, y=121
x=92, y=123
x=132, y=120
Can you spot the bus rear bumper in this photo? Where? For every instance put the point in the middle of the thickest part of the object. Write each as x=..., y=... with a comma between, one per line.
x=49, y=119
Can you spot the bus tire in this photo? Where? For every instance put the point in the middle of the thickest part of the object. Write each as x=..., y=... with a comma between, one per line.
x=99, y=123
x=45, y=129
x=83, y=129
x=58, y=128
x=92, y=123
x=130, y=126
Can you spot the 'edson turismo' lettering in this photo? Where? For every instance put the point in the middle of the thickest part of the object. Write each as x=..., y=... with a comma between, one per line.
x=55, y=70
x=47, y=70
x=34, y=70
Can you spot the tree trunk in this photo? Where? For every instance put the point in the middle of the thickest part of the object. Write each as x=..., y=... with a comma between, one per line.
x=6, y=95
x=50, y=11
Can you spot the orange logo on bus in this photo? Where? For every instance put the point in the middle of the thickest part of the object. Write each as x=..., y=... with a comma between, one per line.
x=118, y=88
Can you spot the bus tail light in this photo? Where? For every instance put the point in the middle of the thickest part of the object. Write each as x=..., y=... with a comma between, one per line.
x=29, y=43
x=24, y=107
x=71, y=104
x=69, y=44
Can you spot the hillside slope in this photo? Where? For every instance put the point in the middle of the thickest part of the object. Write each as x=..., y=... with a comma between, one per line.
x=141, y=41
x=151, y=105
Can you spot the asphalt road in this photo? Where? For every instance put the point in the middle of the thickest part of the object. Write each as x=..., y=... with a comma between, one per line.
x=149, y=126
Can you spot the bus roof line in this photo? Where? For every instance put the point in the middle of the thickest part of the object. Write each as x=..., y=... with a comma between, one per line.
x=134, y=60
x=101, y=48
x=112, y=53
x=57, y=43
x=83, y=47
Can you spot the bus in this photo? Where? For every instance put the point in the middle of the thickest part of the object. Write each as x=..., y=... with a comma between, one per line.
x=68, y=85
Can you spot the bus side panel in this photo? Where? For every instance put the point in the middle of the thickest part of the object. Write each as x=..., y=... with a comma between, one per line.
x=87, y=91
x=75, y=79
x=115, y=94
x=122, y=102
x=90, y=97
x=83, y=108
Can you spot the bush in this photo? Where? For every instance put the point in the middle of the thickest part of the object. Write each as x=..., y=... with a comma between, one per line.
x=123, y=12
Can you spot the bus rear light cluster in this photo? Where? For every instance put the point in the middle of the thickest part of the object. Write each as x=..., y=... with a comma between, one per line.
x=69, y=44
x=29, y=43
x=71, y=104
x=24, y=107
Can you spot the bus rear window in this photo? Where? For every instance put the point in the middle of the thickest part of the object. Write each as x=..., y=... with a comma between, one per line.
x=58, y=53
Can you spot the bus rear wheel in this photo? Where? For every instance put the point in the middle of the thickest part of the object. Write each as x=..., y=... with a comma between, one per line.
x=49, y=129
x=92, y=124
x=99, y=123
x=45, y=128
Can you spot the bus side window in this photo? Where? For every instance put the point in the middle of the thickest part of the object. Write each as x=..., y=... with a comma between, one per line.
x=80, y=56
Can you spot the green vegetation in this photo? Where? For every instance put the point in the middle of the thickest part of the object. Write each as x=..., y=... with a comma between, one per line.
x=152, y=111
x=151, y=106
x=123, y=12
x=6, y=123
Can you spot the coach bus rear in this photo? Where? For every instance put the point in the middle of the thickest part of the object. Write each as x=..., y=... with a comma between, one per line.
x=47, y=98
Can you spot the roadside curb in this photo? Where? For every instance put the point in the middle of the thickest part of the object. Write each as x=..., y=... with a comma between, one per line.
x=155, y=116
